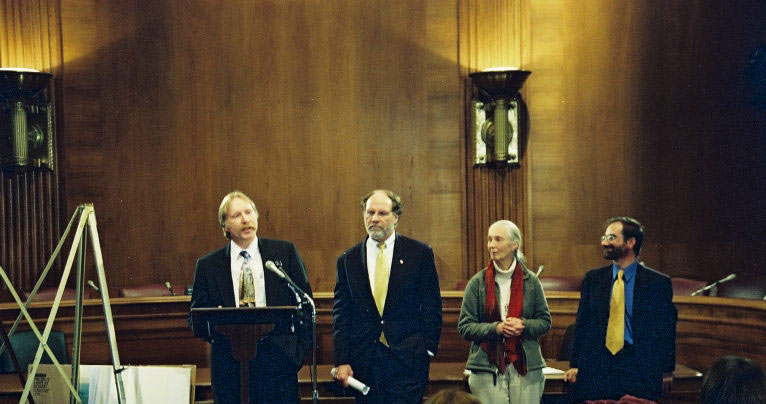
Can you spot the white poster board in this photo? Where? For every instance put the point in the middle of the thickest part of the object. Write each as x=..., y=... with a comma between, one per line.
x=143, y=384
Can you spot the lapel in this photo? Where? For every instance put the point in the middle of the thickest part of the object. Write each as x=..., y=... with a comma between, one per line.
x=399, y=264
x=359, y=277
x=604, y=290
x=223, y=276
x=640, y=291
x=271, y=280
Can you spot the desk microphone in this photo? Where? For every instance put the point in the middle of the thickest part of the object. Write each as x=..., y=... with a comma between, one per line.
x=714, y=284
x=167, y=285
x=93, y=285
x=353, y=383
x=540, y=270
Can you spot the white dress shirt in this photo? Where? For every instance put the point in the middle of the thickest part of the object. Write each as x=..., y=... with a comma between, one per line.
x=372, y=257
x=256, y=266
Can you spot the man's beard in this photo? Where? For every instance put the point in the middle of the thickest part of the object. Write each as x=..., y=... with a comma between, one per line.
x=376, y=233
x=613, y=253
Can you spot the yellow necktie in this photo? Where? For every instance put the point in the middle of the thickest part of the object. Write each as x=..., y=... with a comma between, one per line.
x=381, y=284
x=615, y=330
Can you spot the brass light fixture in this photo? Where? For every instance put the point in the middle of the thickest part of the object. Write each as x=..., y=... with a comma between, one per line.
x=26, y=120
x=497, y=115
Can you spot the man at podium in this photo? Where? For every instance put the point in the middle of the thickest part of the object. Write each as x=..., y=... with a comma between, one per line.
x=235, y=276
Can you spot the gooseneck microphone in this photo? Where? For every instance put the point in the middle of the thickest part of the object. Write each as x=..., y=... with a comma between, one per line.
x=273, y=268
x=93, y=285
x=353, y=383
x=167, y=285
x=714, y=284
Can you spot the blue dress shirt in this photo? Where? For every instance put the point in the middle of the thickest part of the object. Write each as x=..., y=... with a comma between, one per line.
x=629, y=277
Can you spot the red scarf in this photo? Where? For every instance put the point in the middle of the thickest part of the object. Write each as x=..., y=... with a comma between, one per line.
x=505, y=350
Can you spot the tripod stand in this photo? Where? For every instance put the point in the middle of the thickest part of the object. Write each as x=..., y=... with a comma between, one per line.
x=87, y=219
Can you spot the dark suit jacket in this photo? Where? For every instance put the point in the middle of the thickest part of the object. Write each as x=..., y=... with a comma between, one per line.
x=653, y=324
x=213, y=287
x=412, y=317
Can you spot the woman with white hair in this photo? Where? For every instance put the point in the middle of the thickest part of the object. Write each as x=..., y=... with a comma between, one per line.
x=504, y=313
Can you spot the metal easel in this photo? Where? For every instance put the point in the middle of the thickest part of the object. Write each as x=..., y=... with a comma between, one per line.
x=87, y=218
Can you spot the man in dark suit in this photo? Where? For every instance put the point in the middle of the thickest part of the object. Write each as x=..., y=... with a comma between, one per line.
x=234, y=276
x=387, y=315
x=626, y=323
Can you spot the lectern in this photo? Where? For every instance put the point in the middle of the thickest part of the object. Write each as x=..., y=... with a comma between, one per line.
x=244, y=326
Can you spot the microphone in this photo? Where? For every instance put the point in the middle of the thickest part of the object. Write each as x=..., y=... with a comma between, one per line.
x=353, y=383
x=714, y=284
x=273, y=268
x=540, y=270
x=93, y=285
x=167, y=285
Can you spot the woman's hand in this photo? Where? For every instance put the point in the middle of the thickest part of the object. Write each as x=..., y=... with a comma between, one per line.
x=511, y=327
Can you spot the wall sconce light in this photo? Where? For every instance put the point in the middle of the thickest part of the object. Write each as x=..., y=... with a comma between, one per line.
x=26, y=120
x=497, y=114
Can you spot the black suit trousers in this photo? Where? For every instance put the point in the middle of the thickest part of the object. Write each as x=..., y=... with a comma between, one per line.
x=618, y=379
x=391, y=380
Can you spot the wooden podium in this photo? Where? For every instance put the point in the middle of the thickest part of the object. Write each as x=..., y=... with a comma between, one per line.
x=244, y=326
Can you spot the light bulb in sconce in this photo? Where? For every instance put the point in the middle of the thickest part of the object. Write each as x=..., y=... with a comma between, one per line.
x=26, y=120
x=498, y=115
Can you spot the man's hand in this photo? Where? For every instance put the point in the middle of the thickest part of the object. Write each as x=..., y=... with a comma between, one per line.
x=343, y=373
x=667, y=382
x=570, y=376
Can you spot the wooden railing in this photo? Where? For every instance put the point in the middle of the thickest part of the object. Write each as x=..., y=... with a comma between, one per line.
x=155, y=330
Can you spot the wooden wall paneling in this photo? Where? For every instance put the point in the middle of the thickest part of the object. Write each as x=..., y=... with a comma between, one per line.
x=303, y=106
x=642, y=111
x=31, y=220
x=491, y=36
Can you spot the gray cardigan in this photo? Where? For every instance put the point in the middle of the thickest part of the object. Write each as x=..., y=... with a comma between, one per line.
x=472, y=324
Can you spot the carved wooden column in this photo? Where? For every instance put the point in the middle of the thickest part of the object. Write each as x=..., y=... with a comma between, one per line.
x=492, y=33
x=30, y=208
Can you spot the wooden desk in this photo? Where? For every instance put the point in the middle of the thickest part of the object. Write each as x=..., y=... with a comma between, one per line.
x=154, y=331
x=685, y=380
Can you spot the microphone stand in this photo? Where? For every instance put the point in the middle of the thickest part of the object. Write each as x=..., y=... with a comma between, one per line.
x=300, y=299
x=714, y=284
x=315, y=391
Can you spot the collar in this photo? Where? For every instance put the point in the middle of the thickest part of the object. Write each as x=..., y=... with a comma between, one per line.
x=389, y=241
x=252, y=249
x=508, y=271
x=630, y=271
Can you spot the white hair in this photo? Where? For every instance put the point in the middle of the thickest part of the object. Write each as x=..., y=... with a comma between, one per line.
x=514, y=234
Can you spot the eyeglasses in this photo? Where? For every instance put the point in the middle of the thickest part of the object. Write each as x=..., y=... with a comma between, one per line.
x=609, y=237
